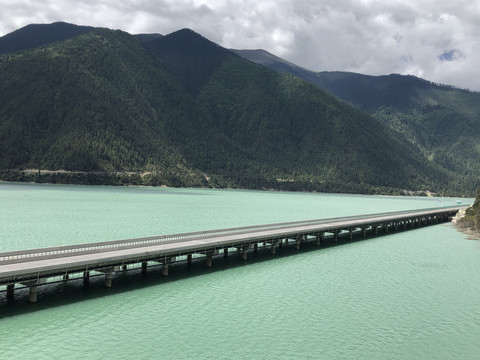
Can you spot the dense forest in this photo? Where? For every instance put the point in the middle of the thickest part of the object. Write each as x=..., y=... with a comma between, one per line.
x=441, y=122
x=178, y=110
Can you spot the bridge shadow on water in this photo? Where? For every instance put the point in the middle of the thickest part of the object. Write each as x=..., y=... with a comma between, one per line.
x=74, y=291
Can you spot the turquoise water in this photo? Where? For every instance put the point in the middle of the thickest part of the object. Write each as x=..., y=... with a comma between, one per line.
x=409, y=295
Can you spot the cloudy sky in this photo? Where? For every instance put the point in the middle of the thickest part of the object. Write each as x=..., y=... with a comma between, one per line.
x=438, y=40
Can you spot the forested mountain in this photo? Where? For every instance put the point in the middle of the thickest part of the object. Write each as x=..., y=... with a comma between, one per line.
x=180, y=110
x=35, y=35
x=442, y=122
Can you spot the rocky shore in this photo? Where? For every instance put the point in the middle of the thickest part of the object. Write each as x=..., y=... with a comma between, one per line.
x=468, y=220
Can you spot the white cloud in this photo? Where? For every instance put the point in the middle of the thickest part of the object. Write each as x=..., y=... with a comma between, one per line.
x=436, y=39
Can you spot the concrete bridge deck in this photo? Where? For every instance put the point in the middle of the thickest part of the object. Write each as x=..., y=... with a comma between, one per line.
x=35, y=267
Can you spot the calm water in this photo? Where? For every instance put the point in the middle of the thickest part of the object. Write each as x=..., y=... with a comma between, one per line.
x=411, y=295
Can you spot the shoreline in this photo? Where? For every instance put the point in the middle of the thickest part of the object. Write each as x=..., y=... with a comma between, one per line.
x=470, y=232
x=163, y=186
x=154, y=179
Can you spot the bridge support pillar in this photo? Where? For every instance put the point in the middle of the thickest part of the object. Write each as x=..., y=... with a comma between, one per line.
x=255, y=247
x=32, y=295
x=165, y=269
x=244, y=254
x=144, y=267
x=225, y=252
x=280, y=243
x=335, y=235
x=189, y=259
x=244, y=249
x=364, y=231
x=10, y=291
x=319, y=239
x=124, y=267
x=165, y=264
x=86, y=277
x=209, y=258
x=350, y=233
x=298, y=241
x=66, y=277
x=274, y=246
x=108, y=279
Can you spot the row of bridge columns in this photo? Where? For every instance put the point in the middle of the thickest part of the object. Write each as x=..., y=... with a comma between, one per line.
x=279, y=242
x=243, y=249
x=33, y=286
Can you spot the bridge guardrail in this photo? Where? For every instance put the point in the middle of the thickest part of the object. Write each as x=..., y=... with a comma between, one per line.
x=34, y=254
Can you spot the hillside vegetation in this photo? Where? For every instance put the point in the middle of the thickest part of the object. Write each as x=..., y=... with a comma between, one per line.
x=179, y=110
x=441, y=122
x=471, y=219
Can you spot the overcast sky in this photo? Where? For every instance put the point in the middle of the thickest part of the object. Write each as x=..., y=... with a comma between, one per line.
x=434, y=39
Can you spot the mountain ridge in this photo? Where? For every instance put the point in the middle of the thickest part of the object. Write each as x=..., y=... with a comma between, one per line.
x=108, y=101
x=441, y=121
x=36, y=35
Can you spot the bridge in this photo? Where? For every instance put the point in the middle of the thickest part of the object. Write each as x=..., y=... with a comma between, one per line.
x=36, y=267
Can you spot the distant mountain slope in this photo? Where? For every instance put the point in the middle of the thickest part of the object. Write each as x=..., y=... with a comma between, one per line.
x=441, y=121
x=186, y=112
x=145, y=38
x=35, y=35
x=270, y=118
x=265, y=58
x=190, y=57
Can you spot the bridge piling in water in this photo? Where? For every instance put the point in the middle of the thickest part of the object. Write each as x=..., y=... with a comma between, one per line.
x=364, y=231
x=86, y=277
x=165, y=269
x=108, y=279
x=32, y=294
x=320, y=238
x=10, y=291
x=274, y=245
x=244, y=254
x=209, y=255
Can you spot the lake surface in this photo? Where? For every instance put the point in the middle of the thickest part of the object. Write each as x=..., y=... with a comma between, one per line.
x=408, y=295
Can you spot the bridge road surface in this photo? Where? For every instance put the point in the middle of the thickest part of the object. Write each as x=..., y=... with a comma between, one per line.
x=33, y=267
